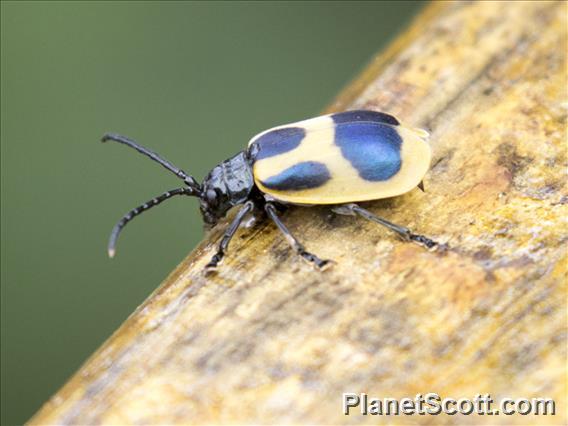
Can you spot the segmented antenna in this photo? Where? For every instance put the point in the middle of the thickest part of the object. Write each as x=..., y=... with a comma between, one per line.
x=140, y=209
x=189, y=180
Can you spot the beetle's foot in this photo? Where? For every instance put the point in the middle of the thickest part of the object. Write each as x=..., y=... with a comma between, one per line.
x=214, y=263
x=326, y=264
x=423, y=241
x=319, y=264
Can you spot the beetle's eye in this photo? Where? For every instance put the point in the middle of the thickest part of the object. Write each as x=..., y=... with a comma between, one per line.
x=211, y=196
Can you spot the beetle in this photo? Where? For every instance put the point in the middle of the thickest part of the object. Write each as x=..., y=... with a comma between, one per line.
x=337, y=159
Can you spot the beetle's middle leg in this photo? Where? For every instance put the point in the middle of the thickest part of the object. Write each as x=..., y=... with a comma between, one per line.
x=405, y=233
x=298, y=248
x=229, y=233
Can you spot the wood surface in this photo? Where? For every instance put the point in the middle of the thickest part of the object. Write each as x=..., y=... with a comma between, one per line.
x=270, y=340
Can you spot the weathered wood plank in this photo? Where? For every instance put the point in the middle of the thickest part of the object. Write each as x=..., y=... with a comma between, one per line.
x=269, y=340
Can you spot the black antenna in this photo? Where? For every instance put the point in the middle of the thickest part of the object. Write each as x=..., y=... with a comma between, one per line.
x=189, y=180
x=140, y=209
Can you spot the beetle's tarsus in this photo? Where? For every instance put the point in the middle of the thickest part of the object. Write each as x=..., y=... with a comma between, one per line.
x=215, y=260
x=325, y=264
x=213, y=264
x=423, y=241
x=319, y=264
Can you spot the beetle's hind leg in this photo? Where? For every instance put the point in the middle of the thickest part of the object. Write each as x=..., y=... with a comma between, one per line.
x=228, y=235
x=405, y=233
x=298, y=248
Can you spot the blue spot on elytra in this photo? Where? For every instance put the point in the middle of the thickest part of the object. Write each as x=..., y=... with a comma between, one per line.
x=277, y=142
x=364, y=115
x=306, y=175
x=373, y=149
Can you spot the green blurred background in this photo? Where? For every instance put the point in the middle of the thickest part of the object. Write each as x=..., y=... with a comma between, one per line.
x=193, y=81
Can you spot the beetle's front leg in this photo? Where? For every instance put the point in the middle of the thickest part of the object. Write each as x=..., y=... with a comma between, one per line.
x=405, y=233
x=229, y=233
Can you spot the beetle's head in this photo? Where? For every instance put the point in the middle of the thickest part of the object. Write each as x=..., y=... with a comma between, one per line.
x=227, y=185
x=214, y=203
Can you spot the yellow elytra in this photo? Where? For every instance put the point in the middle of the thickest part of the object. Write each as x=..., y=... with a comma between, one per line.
x=340, y=158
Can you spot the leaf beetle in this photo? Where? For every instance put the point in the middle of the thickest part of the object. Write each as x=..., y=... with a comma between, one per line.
x=337, y=159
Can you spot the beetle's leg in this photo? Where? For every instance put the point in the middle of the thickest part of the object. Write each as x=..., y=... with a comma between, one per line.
x=405, y=233
x=298, y=248
x=229, y=233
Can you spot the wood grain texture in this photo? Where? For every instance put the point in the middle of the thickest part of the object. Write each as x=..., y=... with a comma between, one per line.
x=269, y=340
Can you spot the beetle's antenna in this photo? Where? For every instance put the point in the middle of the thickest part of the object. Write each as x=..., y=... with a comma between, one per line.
x=189, y=180
x=140, y=209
